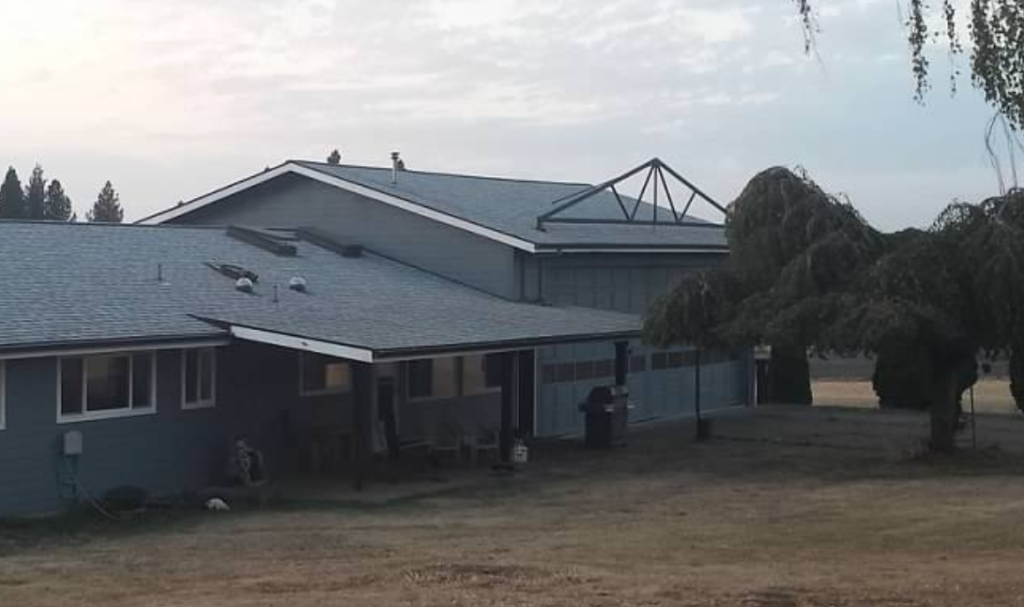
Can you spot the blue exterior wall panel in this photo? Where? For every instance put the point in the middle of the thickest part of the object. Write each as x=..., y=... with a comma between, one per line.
x=176, y=450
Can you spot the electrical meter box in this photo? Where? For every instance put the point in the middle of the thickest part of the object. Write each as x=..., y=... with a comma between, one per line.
x=73, y=443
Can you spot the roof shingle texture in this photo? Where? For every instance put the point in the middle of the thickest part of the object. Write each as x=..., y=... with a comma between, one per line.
x=512, y=206
x=80, y=283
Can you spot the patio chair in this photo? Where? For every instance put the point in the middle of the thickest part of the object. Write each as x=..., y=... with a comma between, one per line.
x=484, y=440
x=446, y=438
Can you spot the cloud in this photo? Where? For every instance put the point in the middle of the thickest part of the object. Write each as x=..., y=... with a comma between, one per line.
x=171, y=98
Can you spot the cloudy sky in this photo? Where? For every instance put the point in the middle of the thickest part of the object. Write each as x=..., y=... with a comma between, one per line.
x=172, y=98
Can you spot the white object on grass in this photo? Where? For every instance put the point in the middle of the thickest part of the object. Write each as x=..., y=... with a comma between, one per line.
x=217, y=505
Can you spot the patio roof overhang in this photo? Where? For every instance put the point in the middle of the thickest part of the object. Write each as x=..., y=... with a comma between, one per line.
x=329, y=347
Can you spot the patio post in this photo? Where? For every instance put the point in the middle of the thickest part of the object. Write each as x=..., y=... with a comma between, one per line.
x=621, y=362
x=362, y=421
x=508, y=400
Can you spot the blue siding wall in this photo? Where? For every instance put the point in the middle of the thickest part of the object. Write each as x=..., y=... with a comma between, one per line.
x=625, y=283
x=165, y=451
x=294, y=201
x=175, y=450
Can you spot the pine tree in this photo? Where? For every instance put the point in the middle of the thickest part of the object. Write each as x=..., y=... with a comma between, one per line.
x=107, y=208
x=35, y=195
x=57, y=205
x=12, y=198
x=334, y=158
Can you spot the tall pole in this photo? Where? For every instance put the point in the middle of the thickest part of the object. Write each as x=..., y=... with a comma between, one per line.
x=696, y=389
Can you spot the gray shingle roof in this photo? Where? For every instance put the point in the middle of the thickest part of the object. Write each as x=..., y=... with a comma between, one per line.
x=82, y=283
x=511, y=206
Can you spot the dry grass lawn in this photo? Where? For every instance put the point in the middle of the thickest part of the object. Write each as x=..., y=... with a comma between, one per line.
x=990, y=395
x=787, y=507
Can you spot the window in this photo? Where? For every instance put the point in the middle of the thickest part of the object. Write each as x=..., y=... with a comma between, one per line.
x=432, y=378
x=3, y=395
x=584, y=370
x=637, y=364
x=659, y=361
x=105, y=386
x=198, y=378
x=319, y=374
x=481, y=374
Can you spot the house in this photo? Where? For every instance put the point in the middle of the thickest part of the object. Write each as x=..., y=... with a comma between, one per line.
x=132, y=355
x=553, y=243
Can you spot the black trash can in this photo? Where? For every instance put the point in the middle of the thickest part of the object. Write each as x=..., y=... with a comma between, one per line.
x=607, y=417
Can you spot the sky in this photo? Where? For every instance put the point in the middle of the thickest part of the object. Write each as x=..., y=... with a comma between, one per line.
x=172, y=99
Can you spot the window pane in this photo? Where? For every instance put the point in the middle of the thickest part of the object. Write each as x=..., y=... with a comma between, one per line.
x=205, y=374
x=585, y=370
x=313, y=377
x=637, y=364
x=475, y=374
x=421, y=378
x=324, y=374
x=190, y=359
x=492, y=367
x=106, y=383
x=71, y=386
x=336, y=376
x=142, y=381
x=444, y=378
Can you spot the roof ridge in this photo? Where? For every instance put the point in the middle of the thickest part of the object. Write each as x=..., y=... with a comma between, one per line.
x=444, y=174
x=103, y=224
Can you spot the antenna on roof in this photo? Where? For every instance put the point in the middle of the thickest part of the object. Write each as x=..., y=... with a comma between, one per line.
x=396, y=165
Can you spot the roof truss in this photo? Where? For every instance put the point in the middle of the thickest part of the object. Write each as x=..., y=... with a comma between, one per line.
x=654, y=182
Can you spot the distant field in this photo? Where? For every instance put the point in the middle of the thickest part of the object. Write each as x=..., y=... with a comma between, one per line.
x=990, y=395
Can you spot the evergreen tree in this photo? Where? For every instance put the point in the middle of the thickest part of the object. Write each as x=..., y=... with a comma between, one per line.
x=57, y=204
x=107, y=208
x=35, y=195
x=334, y=158
x=12, y=198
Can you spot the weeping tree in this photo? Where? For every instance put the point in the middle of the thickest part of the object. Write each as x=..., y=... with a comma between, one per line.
x=789, y=240
x=936, y=297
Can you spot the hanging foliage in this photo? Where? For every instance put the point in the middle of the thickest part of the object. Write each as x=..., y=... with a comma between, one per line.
x=996, y=29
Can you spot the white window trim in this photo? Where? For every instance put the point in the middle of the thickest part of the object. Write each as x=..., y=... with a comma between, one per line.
x=3, y=395
x=87, y=416
x=303, y=392
x=211, y=402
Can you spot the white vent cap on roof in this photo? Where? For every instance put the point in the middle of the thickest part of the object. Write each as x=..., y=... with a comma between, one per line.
x=243, y=284
x=297, y=283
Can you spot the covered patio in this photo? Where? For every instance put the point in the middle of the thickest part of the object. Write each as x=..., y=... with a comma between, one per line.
x=419, y=415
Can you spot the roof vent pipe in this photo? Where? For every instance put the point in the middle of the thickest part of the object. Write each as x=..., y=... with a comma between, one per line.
x=243, y=284
x=396, y=161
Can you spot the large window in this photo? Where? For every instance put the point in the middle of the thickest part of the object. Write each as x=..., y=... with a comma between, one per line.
x=198, y=378
x=431, y=378
x=319, y=374
x=481, y=374
x=104, y=386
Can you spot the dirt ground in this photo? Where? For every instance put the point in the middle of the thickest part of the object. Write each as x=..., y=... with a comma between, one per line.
x=785, y=507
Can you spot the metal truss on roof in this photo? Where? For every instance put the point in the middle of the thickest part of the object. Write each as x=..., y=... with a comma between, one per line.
x=657, y=183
